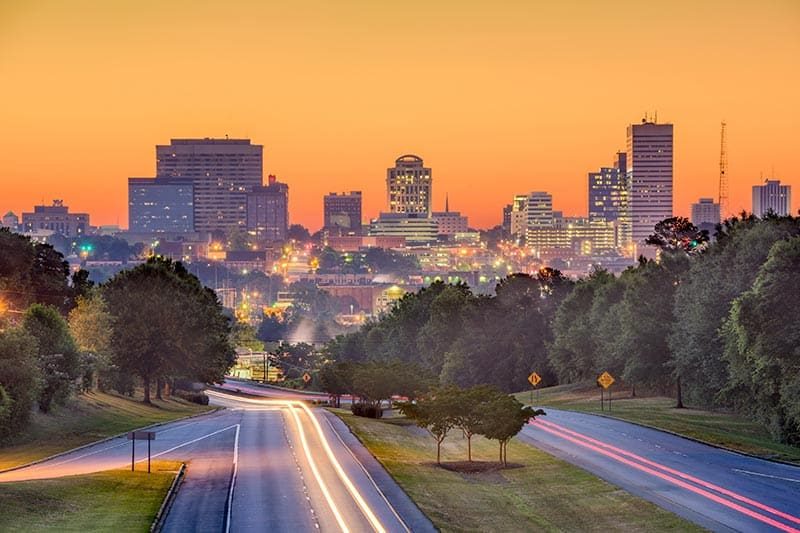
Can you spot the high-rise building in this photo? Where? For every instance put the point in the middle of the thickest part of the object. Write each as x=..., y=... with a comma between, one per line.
x=408, y=186
x=56, y=218
x=506, y=224
x=450, y=222
x=268, y=210
x=540, y=221
x=519, y=216
x=705, y=213
x=772, y=197
x=222, y=172
x=158, y=205
x=10, y=221
x=609, y=198
x=342, y=213
x=649, y=166
x=416, y=228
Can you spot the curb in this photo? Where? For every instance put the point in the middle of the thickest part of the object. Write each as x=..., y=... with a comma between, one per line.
x=158, y=521
x=687, y=437
x=112, y=437
x=274, y=387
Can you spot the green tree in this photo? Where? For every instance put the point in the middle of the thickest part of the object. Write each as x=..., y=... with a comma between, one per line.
x=435, y=412
x=58, y=355
x=763, y=343
x=503, y=418
x=20, y=376
x=678, y=234
x=173, y=326
x=337, y=379
x=90, y=324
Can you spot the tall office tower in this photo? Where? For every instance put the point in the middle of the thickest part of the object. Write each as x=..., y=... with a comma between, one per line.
x=342, y=213
x=772, y=196
x=540, y=220
x=649, y=162
x=268, y=210
x=608, y=197
x=408, y=186
x=222, y=172
x=705, y=213
x=56, y=218
x=506, y=224
x=160, y=205
x=519, y=216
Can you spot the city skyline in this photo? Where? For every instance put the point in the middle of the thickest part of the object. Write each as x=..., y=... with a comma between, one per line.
x=316, y=91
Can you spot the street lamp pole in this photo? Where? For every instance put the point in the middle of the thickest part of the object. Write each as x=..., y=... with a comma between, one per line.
x=265, y=366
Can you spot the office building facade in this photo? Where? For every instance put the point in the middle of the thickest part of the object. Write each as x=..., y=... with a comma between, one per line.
x=416, y=228
x=160, y=205
x=55, y=218
x=342, y=213
x=772, y=197
x=221, y=171
x=649, y=160
x=409, y=186
x=268, y=211
x=705, y=212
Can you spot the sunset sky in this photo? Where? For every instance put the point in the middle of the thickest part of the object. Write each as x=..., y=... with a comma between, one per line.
x=498, y=97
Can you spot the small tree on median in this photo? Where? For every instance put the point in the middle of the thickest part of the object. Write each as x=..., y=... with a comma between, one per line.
x=503, y=418
x=471, y=414
x=435, y=412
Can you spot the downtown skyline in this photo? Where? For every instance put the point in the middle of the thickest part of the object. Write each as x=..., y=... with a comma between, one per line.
x=331, y=98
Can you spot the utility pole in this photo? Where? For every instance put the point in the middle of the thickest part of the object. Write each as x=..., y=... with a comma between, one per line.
x=723, y=174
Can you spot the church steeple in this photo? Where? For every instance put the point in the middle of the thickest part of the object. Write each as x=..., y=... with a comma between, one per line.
x=447, y=203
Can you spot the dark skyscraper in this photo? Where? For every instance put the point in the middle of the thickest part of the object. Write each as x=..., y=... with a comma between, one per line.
x=342, y=213
x=609, y=197
x=222, y=172
x=268, y=211
x=160, y=205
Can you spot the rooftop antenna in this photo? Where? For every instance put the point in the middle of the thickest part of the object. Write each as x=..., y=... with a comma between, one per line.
x=447, y=202
x=656, y=118
x=723, y=172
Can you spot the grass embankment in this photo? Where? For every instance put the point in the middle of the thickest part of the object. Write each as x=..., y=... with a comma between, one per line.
x=115, y=500
x=544, y=494
x=88, y=417
x=723, y=429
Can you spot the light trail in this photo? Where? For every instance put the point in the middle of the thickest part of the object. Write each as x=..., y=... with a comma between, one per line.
x=351, y=488
x=683, y=484
x=678, y=473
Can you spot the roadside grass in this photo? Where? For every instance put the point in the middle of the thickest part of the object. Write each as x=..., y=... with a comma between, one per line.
x=88, y=417
x=720, y=428
x=541, y=493
x=114, y=500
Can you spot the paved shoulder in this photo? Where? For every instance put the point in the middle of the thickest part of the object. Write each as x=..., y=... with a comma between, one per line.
x=407, y=510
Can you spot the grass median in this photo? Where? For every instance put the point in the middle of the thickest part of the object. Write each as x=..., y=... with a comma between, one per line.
x=89, y=417
x=540, y=493
x=723, y=429
x=114, y=500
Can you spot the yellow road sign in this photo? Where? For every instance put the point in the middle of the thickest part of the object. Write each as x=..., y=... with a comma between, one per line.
x=306, y=377
x=605, y=380
x=534, y=379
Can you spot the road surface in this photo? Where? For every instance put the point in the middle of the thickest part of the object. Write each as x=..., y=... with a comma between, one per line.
x=261, y=464
x=716, y=489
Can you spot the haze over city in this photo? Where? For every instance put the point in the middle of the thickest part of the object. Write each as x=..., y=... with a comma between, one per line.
x=498, y=101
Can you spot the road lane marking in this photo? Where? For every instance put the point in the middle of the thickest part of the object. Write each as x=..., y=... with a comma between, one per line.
x=766, y=475
x=679, y=473
x=229, y=503
x=674, y=481
x=190, y=442
x=389, y=505
x=313, y=464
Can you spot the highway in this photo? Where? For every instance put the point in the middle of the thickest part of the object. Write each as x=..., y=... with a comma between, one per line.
x=260, y=464
x=714, y=488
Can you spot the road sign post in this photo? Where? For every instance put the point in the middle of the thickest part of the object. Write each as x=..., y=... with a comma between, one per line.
x=605, y=380
x=534, y=379
x=133, y=436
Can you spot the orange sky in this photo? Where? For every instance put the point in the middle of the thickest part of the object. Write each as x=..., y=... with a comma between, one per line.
x=497, y=97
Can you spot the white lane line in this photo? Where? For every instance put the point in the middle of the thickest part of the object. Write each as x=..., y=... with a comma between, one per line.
x=389, y=505
x=229, y=503
x=191, y=442
x=766, y=475
x=315, y=471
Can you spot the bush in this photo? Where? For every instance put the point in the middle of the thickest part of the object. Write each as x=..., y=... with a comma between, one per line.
x=194, y=397
x=367, y=410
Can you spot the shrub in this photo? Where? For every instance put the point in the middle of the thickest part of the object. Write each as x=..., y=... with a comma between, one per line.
x=194, y=397
x=367, y=410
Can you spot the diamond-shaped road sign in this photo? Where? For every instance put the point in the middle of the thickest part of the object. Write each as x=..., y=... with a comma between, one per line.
x=306, y=377
x=534, y=379
x=605, y=380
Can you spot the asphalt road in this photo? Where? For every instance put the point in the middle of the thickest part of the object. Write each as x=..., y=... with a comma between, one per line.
x=259, y=465
x=716, y=489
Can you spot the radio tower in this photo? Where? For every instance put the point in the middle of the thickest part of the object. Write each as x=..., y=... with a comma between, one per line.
x=723, y=174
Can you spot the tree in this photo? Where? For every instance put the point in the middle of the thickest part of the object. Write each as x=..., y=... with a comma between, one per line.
x=678, y=234
x=20, y=377
x=435, y=412
x=503, y=418
x=336, y=380
x=91, y=325
x=472, y=412
x=763, y=343
x=58, y=354
x=173, y=326
x=373, y=382
x=298, y=233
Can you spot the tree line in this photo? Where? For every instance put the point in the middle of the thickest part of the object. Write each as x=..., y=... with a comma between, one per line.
x=150, y=327
x=713, y=321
